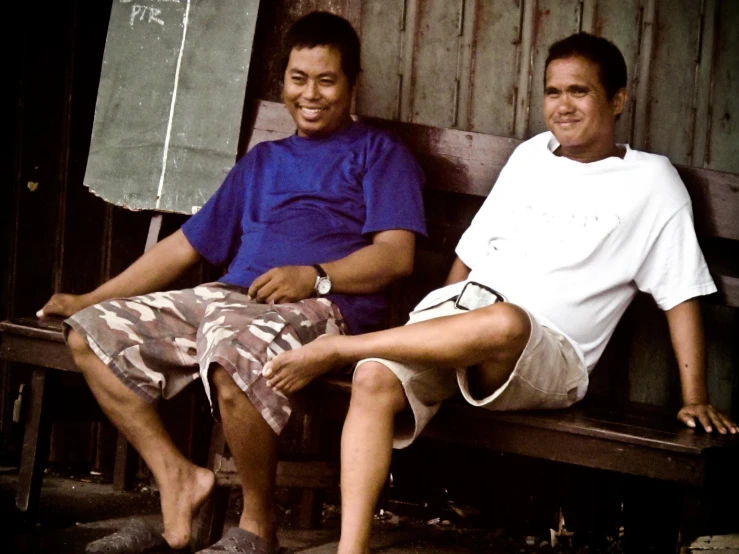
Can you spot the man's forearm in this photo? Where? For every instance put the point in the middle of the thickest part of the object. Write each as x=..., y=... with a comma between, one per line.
x=154, y=270
x=686, y=332
x=373, y=267
x=458, y=272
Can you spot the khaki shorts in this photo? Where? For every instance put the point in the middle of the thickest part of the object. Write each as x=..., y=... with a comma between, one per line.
x=159, y=343
x=549, y=374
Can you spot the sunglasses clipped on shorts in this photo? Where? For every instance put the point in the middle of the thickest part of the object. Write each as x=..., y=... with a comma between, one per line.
x=474, y=296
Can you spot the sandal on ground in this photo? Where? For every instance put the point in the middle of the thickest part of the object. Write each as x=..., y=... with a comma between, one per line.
x=240, y=541
x=135, y=537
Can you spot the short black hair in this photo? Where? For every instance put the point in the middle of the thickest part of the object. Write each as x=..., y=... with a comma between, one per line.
x=601, y=52
x=325, y=29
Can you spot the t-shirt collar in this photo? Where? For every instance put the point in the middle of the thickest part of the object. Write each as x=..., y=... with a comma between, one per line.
x=553, y=144
x=343, y=131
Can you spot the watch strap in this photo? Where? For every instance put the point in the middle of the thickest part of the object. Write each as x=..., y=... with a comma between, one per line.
x=321, y=272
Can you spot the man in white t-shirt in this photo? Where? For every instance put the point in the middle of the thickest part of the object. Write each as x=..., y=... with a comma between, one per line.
x=575, y=226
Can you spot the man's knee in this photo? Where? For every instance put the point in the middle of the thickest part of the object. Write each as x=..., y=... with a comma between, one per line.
x=376, y=383
x=508, y=326
x=227, y=391
x=78, y=346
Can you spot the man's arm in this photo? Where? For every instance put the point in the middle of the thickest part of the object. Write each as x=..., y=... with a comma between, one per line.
x=458, y=272
x=368, y=270
x=157, y=268
x=686, y=332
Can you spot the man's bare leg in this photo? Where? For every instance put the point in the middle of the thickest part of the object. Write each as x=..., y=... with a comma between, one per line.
x=366, y=448
x=253, y=444
x=495, y=333
x=494, y=343
x=183, y=486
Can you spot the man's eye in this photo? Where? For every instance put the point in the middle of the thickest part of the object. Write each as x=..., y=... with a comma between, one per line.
x=326, y=82
x=298, y=80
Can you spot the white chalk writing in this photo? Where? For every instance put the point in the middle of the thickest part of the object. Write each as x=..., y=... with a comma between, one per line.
x=137, y=10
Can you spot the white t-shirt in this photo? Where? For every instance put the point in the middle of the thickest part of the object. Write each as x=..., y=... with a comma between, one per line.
x=572, y=242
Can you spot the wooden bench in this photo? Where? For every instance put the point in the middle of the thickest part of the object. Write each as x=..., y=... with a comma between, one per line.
x=612, y=433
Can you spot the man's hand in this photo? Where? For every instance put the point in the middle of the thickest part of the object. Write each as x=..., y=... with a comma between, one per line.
x=64, y=305
x=709, y=417
x=290, y=283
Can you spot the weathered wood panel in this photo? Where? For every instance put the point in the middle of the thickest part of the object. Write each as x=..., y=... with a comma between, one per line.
x=496, y=34
x=378, y=93
x=554, y=20
x=672, y=82
x=703, y=83
x=723, y=143
x=434, y=90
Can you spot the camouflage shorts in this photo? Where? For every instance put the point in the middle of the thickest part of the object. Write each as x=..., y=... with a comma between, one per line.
x=157, y=344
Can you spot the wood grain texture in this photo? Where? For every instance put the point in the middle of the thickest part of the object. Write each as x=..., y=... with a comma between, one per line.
x=378, y=90
x=435, y=59
x=492, y=92
x=724, y=109
x=672, y=79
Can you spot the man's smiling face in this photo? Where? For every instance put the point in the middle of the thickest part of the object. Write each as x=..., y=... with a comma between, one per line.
x=316, y=91
x=578, y=111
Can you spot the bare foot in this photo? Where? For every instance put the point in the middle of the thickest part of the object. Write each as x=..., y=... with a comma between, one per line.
x=292, y=370
x=180, y=499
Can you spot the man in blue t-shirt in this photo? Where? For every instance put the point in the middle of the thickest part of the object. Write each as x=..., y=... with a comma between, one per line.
x=312, y=228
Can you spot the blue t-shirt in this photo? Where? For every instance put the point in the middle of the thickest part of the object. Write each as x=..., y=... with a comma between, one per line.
x=302, y=201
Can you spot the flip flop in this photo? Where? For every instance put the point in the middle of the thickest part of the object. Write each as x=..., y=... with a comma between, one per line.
x=239, y=541
x=135, y=537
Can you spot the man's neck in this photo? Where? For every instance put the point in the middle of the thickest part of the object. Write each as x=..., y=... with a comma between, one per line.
x=590, y=155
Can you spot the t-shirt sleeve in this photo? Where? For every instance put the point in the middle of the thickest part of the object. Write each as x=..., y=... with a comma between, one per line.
x=393, y=189
x=215, y=231
x=675, y=270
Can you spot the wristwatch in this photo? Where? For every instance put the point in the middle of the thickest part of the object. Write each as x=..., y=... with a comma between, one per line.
x=323, y=281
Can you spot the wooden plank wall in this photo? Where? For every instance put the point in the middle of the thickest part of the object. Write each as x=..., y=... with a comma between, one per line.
x=468, y=64
x=477, y=65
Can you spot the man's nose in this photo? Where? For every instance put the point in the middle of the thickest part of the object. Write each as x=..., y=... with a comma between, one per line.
x=311, y=90
x=564, y=105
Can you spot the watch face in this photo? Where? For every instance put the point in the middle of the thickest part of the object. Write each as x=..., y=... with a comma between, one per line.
x=324, y=286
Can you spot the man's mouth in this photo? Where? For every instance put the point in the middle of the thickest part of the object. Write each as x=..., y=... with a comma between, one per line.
x=309, y=112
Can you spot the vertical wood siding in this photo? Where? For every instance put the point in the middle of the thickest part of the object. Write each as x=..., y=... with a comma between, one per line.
x=492, y=85
x=672, y=86
x=478, y=65
x=434, y=81
x=723, y=138
x=379, y=84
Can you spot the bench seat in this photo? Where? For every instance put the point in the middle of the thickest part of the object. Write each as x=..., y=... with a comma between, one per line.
x=629, y=438
x=34, y=341
x=634, y=439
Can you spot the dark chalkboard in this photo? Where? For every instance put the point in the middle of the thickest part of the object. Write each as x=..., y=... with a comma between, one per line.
x=170, y=101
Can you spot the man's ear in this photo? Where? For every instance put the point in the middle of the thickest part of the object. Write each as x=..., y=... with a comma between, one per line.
x=619, y=101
